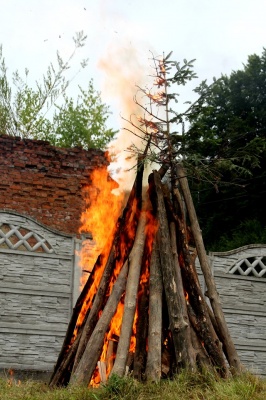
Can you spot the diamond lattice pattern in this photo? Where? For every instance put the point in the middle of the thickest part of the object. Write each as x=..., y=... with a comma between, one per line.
x=19, y=238
x=252, y=266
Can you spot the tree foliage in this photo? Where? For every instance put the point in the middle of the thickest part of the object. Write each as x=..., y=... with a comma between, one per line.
x=81, y=122
x=220, y=139
x=161, y=126
x=38, y=112
x=229, y=131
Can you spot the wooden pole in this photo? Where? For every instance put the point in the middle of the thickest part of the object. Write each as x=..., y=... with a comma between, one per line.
x=125, y=232
x=135, y=260
x=212, y=293
x=180, y=288
x=93, y=350
x=141, y=333
x=154, y=357
x=205, y=329
x=69, y=338
x=92, y=318
x=178, y=325
x=61, y=375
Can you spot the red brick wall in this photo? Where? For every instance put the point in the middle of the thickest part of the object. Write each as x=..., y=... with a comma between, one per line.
x=46, y=182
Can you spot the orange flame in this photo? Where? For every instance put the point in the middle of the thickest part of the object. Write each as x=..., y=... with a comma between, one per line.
x=96, y=379
x=187, y=297
x=115, y=325
x=103, y=210
x=151, y=230
x=114, y=331
x=100, y=217
x=12, y=381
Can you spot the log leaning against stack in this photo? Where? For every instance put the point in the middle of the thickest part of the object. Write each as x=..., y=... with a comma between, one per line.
x=175, y=327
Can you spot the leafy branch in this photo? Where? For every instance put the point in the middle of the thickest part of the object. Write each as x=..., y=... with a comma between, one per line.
x=25, y=110
x=169, y=142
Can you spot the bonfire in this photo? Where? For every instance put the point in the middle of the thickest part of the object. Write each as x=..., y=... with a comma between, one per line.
x=142, y=310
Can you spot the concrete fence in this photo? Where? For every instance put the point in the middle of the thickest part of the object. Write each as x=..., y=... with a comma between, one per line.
x=39, y=283
x=240, y=277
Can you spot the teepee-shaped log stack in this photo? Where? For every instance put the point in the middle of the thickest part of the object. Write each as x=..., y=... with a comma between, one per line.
x=142, y=309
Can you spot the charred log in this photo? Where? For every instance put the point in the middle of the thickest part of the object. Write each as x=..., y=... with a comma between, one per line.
x=130, y=299
x=93, y=350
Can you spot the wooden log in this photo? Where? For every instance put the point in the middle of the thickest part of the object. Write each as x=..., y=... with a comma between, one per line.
x=141, y=333
x=102, y=371
x=125, y=231
x=213, y=295
x=166, y=362
x=204, y=357
x=178, y=325
x=190, y=277
x=204, y=327
x=98, y=301
x=129, y=363
x=201, y=355
x=93, y=350
x=62, y=374
x=135, y=260
x=70, y=358
x=69, y=339
x=154, y=356
x=180, y=289
x=110, y=355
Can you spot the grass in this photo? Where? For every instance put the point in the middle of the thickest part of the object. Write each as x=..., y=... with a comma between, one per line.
x=185, y=386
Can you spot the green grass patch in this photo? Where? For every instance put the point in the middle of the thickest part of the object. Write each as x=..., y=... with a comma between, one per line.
x=185, y=386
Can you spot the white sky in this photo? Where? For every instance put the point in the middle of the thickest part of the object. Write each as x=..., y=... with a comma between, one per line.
x=220, y=34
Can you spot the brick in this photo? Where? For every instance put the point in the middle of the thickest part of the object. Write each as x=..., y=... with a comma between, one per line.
x=49, y=189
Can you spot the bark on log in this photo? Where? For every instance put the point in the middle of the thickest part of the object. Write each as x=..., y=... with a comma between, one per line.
x=141, y=334
x=93, y=349
x=126, y=228
x=96, y=306
x=62, y=374
x=202, y=358
x=207, y=332
x=204, y=327
x=180, y=289
x=135, y=260
x=111, y=349
x=178, y=325
x=213, y=295
x=154, y=357
x=68, y=340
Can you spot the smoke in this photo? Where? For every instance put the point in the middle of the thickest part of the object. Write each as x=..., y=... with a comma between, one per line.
x=125, y=70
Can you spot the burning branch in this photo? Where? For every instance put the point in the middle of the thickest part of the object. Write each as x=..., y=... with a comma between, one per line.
x=130, y=298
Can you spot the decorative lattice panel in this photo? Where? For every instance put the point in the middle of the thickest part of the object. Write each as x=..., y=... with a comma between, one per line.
x=22, y=239
x=251, y=266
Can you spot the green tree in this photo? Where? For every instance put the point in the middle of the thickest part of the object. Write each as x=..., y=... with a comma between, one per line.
x=38, y=112
x=228, y=134
x=221, y=141
x=81, y=123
